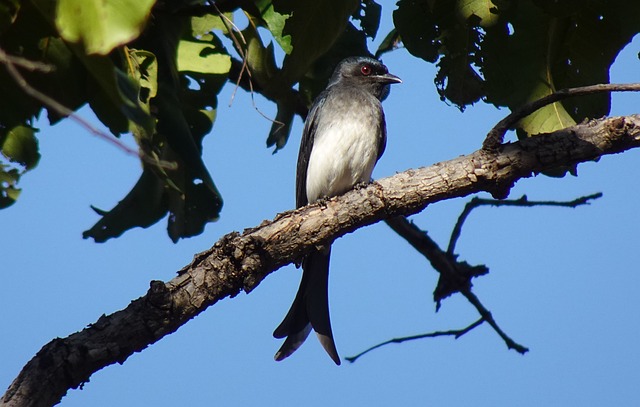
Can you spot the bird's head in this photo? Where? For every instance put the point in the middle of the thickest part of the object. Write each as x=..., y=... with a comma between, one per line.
x=365, y=71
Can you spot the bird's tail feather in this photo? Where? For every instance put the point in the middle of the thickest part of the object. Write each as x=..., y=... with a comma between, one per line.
x=310, y=308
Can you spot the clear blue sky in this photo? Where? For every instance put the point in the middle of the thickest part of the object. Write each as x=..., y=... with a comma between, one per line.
x=563, y=282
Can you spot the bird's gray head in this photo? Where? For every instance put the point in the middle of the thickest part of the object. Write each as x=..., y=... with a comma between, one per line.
x=365, y=71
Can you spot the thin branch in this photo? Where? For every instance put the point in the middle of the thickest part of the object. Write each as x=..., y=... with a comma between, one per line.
x=236, y=75
x=456, y=333
x=241, y=48
x=523, y=201
x=455, y=276
x=26, y=63
x=9, y=62
x=487, y=316
x=495, y=137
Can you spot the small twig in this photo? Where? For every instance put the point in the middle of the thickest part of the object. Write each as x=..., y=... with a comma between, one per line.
x=10, y=63
x=233, y=29
x=486, y=316
x=300, y=107
x=495, y=137
x=26, y=63
x=450, y=270
x=456, y=276
x=523, y=201
x=456, y=333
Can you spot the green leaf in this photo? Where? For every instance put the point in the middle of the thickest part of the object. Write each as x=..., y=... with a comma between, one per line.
x=369, y=15
x=484, y=10
x=446, y=32
x=314, y=26
x=28, y=37
x=20, y=145
x=184, y=110
x=417, y=28
x=9, y=178
x=520, y=67
x=554, y=45
x=101, y=25
x=143, y=206
x=389, y=43
x=191, y=204
x=67, y=83
x=144, y=67
x=593, y=33
x=281, y=127
x=205, y=24
x=275, y=23
x=261, y=59
x=116, y=101
x=202, y=57
x=131, y=105
x=199, y=201
x=549, y=118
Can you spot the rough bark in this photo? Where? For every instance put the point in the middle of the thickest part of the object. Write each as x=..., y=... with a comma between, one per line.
x=240, y=261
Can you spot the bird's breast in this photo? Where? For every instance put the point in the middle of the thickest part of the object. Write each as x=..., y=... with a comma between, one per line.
x=345, y=147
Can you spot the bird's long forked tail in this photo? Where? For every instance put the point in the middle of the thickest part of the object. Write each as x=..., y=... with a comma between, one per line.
x=310, y=309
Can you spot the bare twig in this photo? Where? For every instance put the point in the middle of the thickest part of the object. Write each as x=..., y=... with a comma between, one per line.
x=523, y=201
x=10, y=63
x=495, y=137
x=456, y=333
x=241, y=45
x=232, y=29
x=455, y=276
x=487, y=316
x=26, y=63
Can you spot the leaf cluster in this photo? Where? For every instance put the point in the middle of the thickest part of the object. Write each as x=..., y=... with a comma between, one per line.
x=154, y=68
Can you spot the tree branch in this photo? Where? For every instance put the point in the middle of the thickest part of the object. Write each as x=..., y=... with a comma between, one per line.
x=241, y=261
x=496, y=134
x=522, y=202
x=455, y=276
x=456, y=333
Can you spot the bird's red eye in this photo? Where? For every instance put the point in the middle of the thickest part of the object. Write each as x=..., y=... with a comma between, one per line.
x=366, y=70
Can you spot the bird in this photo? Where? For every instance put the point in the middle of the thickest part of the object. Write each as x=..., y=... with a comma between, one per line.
x=344, y=135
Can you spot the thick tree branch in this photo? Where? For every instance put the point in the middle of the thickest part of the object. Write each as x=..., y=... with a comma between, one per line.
x=241, y=261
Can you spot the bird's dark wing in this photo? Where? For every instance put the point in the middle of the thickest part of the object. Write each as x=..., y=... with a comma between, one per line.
x=382, y=135
x=308, y=135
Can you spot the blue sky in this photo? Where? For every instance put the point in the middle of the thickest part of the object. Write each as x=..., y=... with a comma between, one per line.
x=563, y=281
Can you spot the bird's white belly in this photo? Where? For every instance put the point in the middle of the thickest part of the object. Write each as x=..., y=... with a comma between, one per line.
x=343, y=157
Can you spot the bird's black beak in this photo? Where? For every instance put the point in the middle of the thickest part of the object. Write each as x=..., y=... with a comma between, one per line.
x=389, y=78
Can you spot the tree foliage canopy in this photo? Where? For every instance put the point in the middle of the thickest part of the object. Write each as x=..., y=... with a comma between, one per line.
x=154, y=68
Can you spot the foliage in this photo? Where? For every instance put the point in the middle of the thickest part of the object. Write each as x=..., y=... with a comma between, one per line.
x=154, y=68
